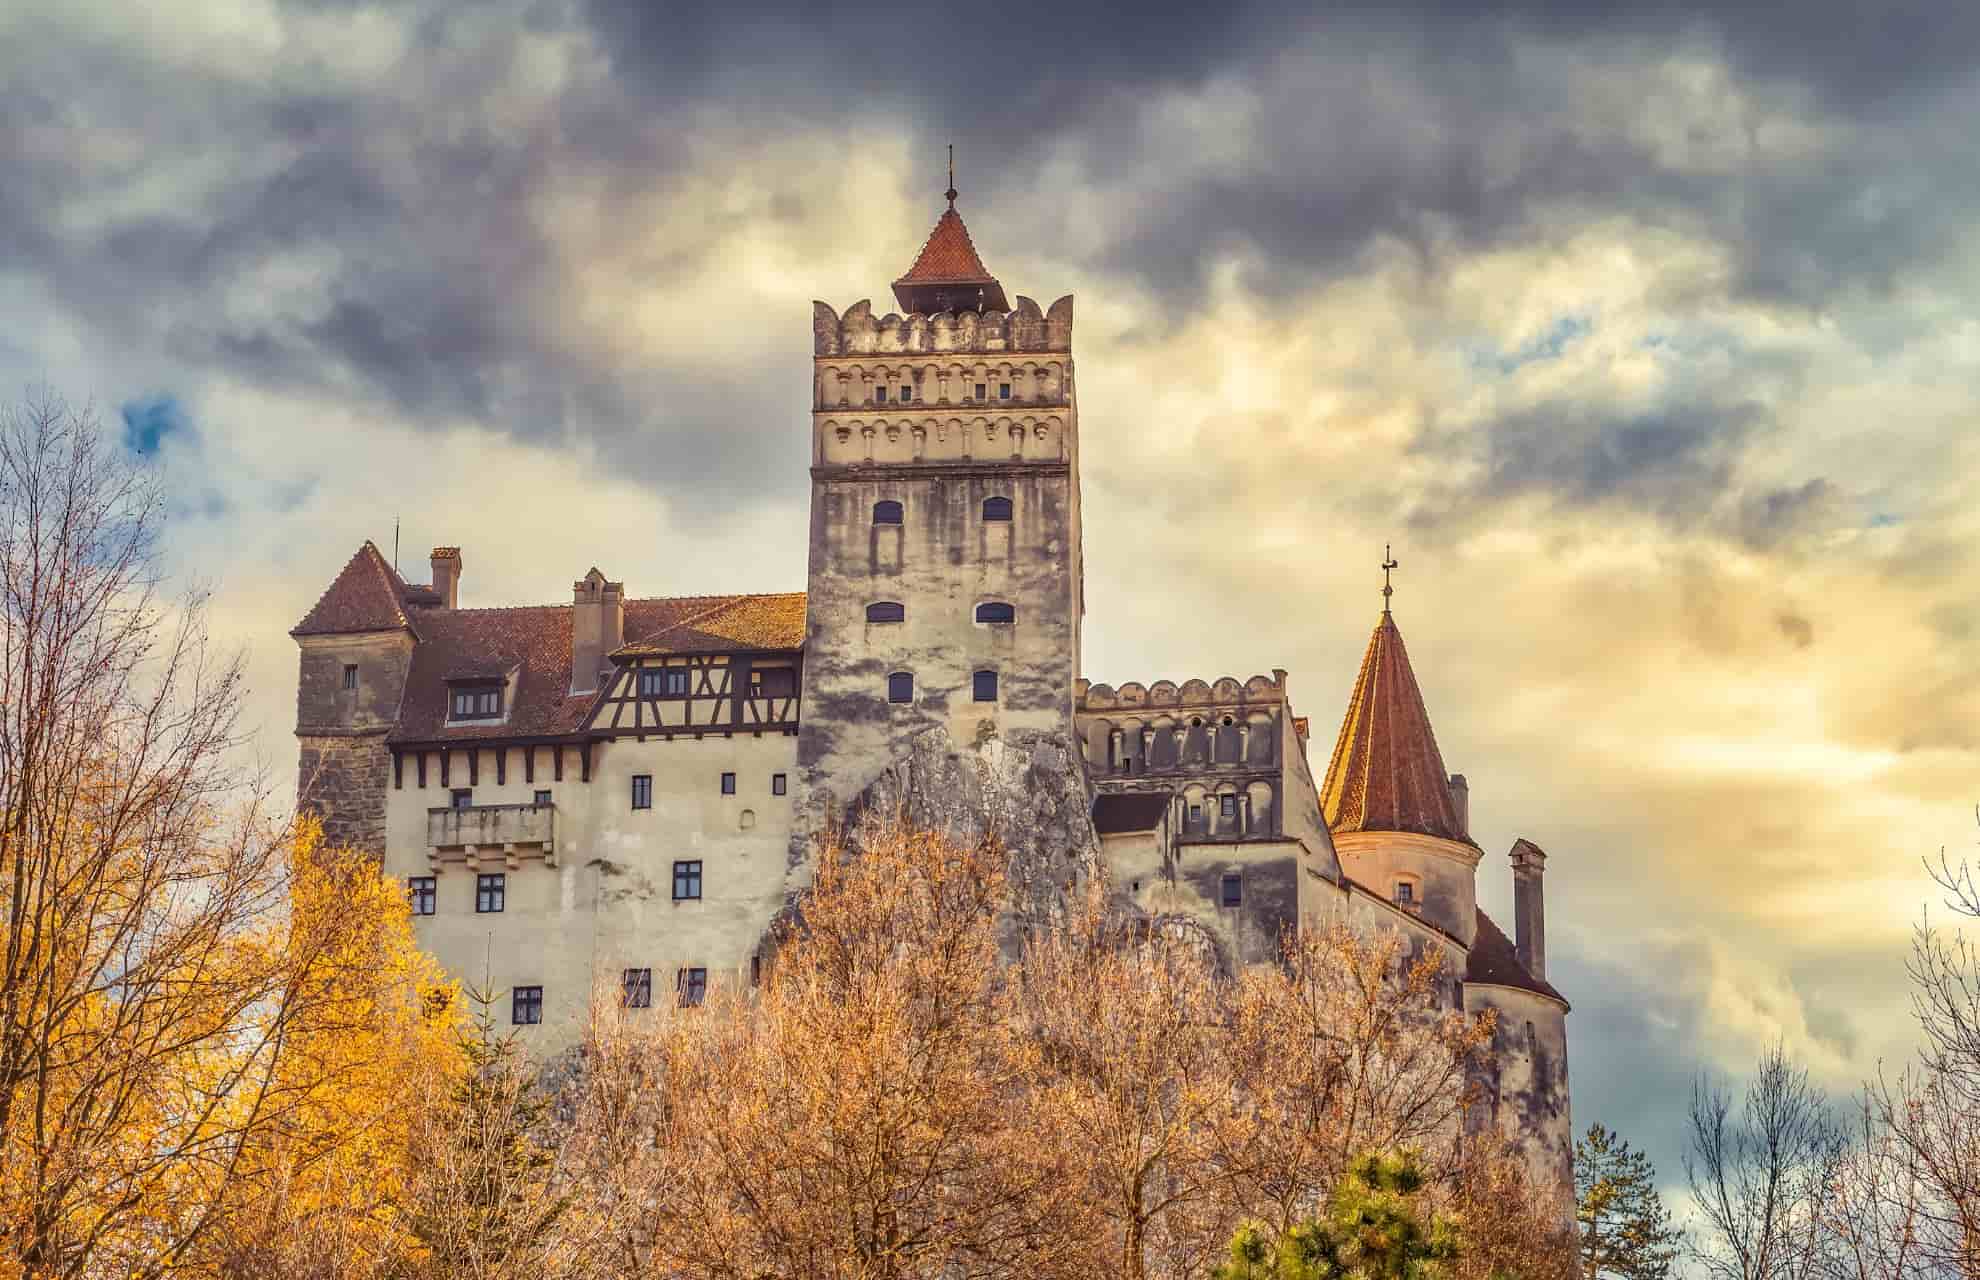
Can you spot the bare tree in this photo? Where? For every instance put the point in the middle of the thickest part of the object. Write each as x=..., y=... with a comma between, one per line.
x=148, y=993
x=1758, y=1167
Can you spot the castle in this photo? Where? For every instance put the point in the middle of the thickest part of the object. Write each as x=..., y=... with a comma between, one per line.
x=616, y=793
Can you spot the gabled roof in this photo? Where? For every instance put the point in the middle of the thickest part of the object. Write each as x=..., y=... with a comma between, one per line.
x=1386, y=774
x=727, y=623
x=1494, y=961
x=369, y=595
x=535, y=643
x=948, y=257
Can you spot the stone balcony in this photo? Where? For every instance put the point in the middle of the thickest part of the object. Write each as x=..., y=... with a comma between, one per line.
x=484, y=833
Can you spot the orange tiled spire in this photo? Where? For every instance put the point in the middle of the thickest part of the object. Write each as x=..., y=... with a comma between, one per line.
x=948, y=275
x=1386, y=774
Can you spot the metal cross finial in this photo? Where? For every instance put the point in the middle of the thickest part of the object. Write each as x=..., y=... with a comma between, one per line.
x=1388, y=563
x=951, y=192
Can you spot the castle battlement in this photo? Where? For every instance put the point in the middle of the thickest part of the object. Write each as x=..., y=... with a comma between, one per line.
x=860, y=332
x=1190, y=693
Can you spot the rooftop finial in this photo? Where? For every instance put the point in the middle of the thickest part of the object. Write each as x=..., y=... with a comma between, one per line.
x=951, y=192
x=1388, y=563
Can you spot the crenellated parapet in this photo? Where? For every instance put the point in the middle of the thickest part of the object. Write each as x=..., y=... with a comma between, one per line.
x=1224, y=691
x=1022, y=329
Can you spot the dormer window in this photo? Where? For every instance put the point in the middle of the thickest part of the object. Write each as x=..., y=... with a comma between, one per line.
x=477, y=702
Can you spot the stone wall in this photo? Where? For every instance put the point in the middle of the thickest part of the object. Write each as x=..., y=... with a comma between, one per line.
x=348, y=689
x=342, y=780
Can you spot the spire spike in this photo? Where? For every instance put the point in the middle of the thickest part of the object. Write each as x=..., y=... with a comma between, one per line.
x=951, y=192
x=1388, y=563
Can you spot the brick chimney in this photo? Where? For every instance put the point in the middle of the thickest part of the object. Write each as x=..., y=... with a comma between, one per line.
x=446, y=563
x=1529, y=867
x=598, y=626
x=1461, y=801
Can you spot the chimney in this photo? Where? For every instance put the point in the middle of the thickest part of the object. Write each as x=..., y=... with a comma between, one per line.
x=447, y=575
x=1529, y=865
x=1461, y=803
x=598, y=626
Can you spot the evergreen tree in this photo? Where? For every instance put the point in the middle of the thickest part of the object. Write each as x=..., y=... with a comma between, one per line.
x=1626, y=1232
x=1376, y=1228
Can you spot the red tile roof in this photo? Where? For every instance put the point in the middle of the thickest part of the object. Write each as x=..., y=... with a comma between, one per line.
x=369, y=595
x=535, y=642
x=1494, y=961
x=1386, y=774
x=948, y=256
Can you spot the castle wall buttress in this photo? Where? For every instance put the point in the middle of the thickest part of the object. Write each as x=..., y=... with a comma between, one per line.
x=347, y=700
x=944, y=584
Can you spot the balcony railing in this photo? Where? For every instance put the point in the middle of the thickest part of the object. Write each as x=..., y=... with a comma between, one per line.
x=485, y=830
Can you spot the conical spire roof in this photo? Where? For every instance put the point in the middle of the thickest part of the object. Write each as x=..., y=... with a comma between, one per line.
x=1386, y=774
x=948, y=275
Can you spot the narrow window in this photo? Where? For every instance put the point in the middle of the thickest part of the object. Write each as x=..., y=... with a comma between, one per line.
x=996, y=508
x=756, y=971
x=900, y=687
x=650, y=682
x=1227, y=806
x=777, y=784
x=1405, y=893
x=728, y=784
x=350, y=675
x=1195, y=816
x=693, y=986
x=642, y=795
x=480, y=702
x=676, y=685
x=526, y=1006
x=888, y=512
x=463, y=798
x=879, y=395
x=1232, y=891
x=996, y=611
x=542, y=798
x=419, y=893
x=907, y=392
x=638, y=988
x=1003, y=391
x=491, y=893
x=980, y=392
x=984, y=686
x=687, y=881
x=886, y=611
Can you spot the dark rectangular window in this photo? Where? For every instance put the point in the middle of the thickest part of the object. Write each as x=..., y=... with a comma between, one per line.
x=542, y=798
x=639, y=988
x=777, y=784
x=1003, y=391
x=687, y=881
x=526, y=1006
x=907, y=394
x=491, y=893
x=728, y=784
x=419, y=893
x=350, y=675
x=1405, y=892
x=1232, y=891
x=979, y=391
x=984, y=686
x=1227, y=806
x=879, y=395
x=900, y=687
x=756, y=971
x=693, y=986
x=462, y=798
x=642, y=791
x=481, y=702
x=1195, y=816
x=663, y=682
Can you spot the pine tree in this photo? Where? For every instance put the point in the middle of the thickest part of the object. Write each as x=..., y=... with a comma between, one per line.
x=1626, y=1232
x=1376, y=1228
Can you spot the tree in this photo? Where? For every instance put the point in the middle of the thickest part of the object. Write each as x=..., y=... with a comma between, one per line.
x=1380, y=1226
x=1758, y=1168
x=1626, y=1232
x=156, y=994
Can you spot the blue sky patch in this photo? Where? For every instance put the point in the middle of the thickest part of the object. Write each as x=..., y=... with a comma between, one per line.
x=150, y=419
x=1564, y=332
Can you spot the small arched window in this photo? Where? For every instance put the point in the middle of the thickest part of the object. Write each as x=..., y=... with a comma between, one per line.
x=900, y=687
x=886, y=611
x=984, y=686
x=996, y=611
x=996, y=508
x=888, y=512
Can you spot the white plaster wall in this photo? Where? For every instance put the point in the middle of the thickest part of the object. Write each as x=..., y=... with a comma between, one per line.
x=1446, y=872
x=1528, y=1098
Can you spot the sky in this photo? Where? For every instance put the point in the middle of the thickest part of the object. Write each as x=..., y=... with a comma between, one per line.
x=1645, y=334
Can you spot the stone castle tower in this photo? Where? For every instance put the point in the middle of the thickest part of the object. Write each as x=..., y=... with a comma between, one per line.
x=944, y=585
